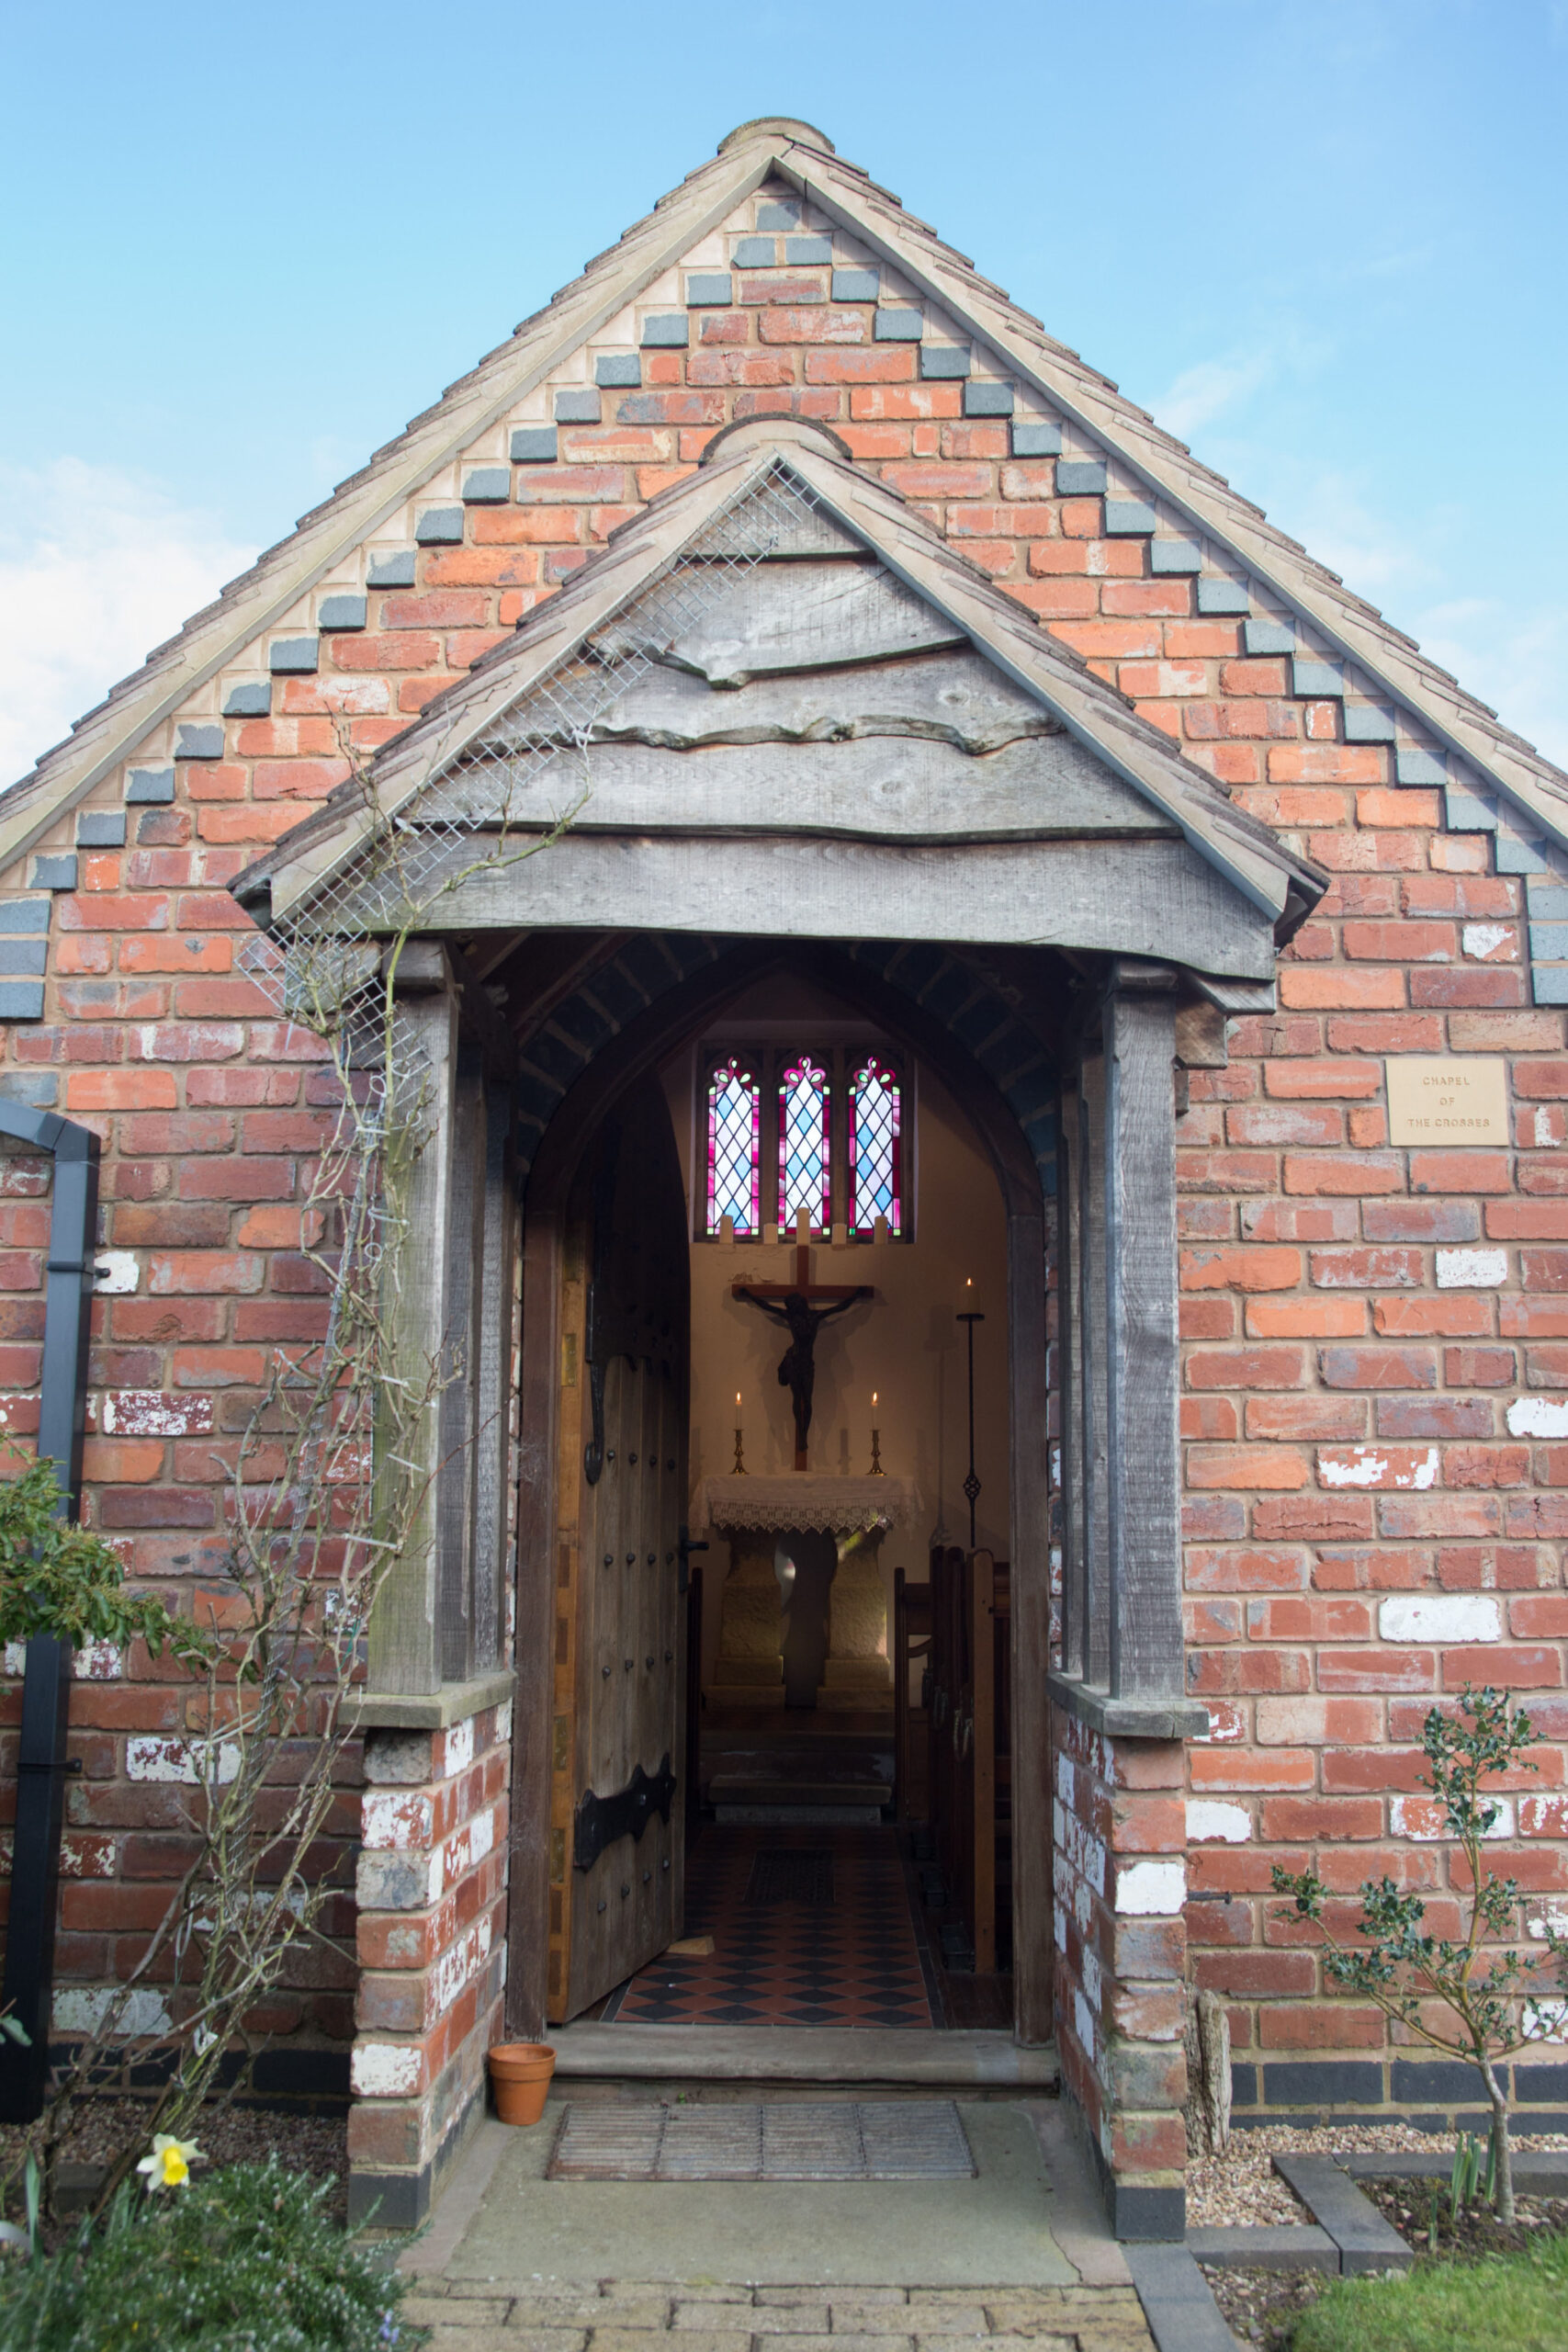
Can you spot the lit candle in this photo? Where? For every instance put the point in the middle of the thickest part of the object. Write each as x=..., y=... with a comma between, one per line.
x=876, y=1469
x=739, y=1468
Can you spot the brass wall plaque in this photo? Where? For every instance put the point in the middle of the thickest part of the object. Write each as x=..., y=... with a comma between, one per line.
x=1448, y=1099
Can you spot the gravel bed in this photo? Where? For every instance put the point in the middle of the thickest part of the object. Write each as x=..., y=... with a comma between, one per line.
x=1263, y=2306
x=1241, y=2189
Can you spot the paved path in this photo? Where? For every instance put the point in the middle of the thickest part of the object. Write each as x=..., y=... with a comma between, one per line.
x=621, y=2315
x=1020, y=2259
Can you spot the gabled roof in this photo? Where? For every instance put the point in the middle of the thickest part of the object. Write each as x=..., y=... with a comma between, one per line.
x=802, y=156
x=1250, y=855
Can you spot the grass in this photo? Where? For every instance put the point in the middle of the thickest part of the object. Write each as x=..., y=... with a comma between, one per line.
x=1506, y=2302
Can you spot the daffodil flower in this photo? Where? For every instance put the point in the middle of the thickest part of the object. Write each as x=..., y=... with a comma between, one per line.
x=170, y=2161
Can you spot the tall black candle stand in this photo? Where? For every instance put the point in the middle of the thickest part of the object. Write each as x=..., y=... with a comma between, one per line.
x=971, y=1483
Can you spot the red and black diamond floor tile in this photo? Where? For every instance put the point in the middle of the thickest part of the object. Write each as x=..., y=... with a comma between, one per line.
x=811, y=1927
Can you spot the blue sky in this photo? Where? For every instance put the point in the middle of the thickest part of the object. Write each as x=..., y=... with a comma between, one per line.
x=1324, y=245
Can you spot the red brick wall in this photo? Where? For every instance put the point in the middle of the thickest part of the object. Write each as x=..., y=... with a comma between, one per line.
x=1316, y=1322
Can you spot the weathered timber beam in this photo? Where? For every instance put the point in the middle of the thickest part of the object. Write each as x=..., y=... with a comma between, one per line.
x=1142, y=1358
x=1149, y=898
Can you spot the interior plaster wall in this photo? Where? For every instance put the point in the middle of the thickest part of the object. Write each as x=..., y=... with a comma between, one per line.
x=906, y=1344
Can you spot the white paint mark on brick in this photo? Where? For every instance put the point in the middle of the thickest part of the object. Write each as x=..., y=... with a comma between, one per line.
x=153, y=1758
x=1483, y=939
x=1060, y=1921
x=1546, y=2022
x=1064, y=1780
x=147, y=1412
x=1150, y=1889
x=385, y=2069
x=79, y=2008
x=1084, y=1852
x=1424, y=1822
x=118, y=1273
x=98, y=1662
x=503, y=1725
x=397, y=1820
x=1472, y=1269
x=462, y=1851
x=1083, y=2018
x=1365, y=1465
x=459, y=1748
x=1208, y=1819
x=1449, y=1617
x=1537, y=1417
x=1551, y=1914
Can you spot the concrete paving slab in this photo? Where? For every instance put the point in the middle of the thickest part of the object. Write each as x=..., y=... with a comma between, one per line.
x=1269, y=2246
x=1178, y=2303
x=1365, y=2241
x=528, y=2233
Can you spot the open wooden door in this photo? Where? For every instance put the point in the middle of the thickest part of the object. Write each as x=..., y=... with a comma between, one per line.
x=617, y=1747
x=971, y=1736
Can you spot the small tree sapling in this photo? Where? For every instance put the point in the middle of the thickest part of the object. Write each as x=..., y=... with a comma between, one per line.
x=1488, y=1987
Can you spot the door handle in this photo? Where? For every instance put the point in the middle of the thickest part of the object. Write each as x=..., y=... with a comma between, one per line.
x=685, y=1547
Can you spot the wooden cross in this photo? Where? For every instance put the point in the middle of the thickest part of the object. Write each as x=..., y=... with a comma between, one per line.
x=791, y=1303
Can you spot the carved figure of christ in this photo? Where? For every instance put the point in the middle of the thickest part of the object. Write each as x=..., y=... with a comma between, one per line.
x=791, y=1303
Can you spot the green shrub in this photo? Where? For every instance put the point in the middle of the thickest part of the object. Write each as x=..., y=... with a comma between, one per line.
x=59, y=1578
x=246, y=2261
x=1515, y=2301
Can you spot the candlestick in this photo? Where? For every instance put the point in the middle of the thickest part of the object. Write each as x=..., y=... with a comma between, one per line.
x=739, y=1470
x=971, y=1484
x=876, y=1469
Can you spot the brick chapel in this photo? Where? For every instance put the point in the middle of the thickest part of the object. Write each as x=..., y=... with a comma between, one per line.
x=996, y=1187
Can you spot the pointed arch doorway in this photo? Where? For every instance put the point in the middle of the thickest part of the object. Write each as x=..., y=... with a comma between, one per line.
x=584, y=1913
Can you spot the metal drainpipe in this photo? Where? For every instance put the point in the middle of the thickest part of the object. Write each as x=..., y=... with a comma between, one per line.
x=27, y=1987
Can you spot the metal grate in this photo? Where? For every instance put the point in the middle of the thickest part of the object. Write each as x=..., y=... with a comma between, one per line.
x=794, y=2139
x=791, y=1875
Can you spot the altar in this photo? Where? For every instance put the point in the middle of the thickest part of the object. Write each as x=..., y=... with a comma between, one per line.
x=754, y=1514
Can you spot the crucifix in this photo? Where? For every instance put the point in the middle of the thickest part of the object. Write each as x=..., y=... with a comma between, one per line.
x=791, y=1303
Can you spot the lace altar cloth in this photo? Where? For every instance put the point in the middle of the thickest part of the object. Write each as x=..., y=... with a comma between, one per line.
x=801, y=1499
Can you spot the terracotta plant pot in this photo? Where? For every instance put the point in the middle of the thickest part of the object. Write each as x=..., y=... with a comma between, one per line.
x=520, y=2075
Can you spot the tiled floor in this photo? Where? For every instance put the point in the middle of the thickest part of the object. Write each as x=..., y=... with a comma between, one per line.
x=781, y=1955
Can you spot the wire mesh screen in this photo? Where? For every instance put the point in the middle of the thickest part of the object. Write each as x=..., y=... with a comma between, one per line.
x=529, y=773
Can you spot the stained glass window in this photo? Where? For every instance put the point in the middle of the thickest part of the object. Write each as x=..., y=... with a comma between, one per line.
x=875, y=1154
x=734, y=1168
x=804, y=1146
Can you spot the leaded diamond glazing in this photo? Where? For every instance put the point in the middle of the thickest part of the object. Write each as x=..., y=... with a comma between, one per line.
x=803, y=1147
x=875, y=1155
x=734, y=1169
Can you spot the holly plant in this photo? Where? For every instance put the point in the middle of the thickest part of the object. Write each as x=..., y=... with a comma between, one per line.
x=1489, y=1988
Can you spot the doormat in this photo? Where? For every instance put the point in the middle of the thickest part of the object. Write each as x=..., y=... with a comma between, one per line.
x=793, y=2140
x=791, y=1875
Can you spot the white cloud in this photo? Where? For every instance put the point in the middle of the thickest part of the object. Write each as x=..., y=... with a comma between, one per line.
x=97, y=567
x=1516, y=660
x=1228, y=384
x=1213, y=388
x=1512, y=652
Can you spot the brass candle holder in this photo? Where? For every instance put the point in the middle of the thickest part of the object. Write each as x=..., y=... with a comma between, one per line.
x=739, y=1468
x=876, y=1469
